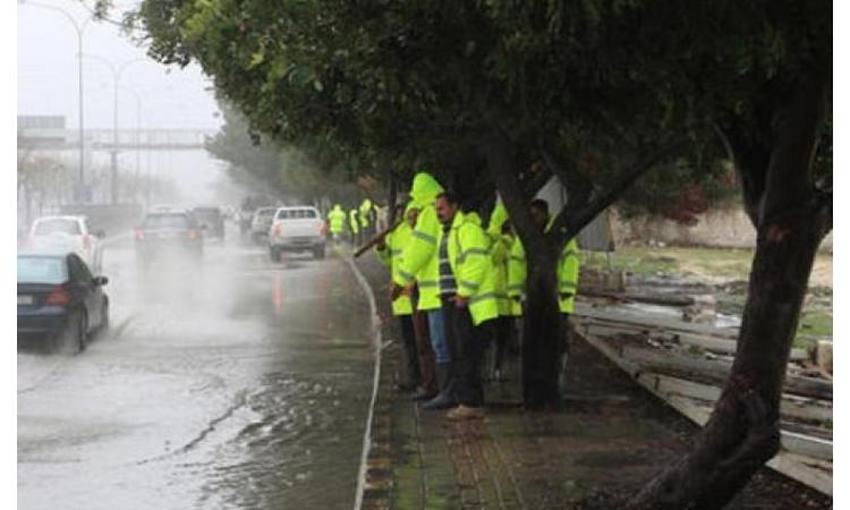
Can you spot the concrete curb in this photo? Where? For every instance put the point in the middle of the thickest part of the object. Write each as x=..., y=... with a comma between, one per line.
x=376, y=377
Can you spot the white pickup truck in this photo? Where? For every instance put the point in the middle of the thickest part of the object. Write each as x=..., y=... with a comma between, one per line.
x=299, y=228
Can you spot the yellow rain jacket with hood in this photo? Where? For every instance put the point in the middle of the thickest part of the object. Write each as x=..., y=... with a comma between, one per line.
x=420, y=258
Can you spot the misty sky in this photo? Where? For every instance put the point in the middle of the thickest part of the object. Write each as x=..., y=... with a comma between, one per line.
x=47, y=74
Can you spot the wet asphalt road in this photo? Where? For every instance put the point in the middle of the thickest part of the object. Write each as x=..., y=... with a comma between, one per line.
x=240, y=383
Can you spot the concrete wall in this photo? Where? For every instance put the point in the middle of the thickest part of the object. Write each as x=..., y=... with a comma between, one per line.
x=724, y=227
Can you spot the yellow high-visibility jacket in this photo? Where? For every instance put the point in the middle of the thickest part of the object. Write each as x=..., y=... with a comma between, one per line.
x=420, y=260
x=352, y=221
x=365, y=212
x=471, y=260
x=391, y=256
x=500, y=246
x=336, y=219
x=567, y=272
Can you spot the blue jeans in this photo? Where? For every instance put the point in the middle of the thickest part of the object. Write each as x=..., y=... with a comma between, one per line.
x=437, y=332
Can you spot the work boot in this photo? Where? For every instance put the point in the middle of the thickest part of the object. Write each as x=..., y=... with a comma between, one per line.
x=463, y=412
x=446, y=398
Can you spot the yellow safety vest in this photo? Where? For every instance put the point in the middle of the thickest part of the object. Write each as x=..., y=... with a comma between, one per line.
x=471, y=260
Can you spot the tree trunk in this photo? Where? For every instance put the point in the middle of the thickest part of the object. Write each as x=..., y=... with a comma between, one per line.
x=541, y=332
x=743, y=433
x=541, y=314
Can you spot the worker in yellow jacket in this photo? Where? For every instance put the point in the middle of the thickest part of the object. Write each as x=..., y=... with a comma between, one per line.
x=505, y=326
x=419, y=373
x=470, y=304
x=419, y=266
x=336, y=221
x=366, y=211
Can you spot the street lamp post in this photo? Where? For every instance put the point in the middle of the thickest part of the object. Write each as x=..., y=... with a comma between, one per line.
x=80, y=29
x=117, y=71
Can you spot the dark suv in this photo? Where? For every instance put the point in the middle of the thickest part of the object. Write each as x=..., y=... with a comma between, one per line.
x=212, y=219
x=170, y=232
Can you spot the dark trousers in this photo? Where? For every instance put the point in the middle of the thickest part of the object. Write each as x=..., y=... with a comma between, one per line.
x=470, y=344
x=411, y=357
x=449, y=310
x=505, y=339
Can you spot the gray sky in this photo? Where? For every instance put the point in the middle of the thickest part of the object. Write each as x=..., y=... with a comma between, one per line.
x=47, y=74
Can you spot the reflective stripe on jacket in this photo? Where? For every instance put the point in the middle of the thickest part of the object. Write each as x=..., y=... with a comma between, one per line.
x=391, y=256
x=472, y=263
x=420, y=260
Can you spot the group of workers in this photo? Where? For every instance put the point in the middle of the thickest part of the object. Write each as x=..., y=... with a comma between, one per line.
x=458, y=287
x=359, y=221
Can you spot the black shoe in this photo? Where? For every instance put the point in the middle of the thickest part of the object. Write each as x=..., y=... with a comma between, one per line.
x=441, y=401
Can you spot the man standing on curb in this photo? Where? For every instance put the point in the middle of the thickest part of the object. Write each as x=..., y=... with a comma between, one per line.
x=419, y=265
x=389, y=250
x=468, y=292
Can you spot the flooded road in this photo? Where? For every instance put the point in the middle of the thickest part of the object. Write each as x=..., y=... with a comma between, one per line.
x=241, y=383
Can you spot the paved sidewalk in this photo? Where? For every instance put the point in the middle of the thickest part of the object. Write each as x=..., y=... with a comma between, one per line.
x=609, y=438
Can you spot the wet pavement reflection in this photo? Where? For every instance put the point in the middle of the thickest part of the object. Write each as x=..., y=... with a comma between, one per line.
x=240, y=383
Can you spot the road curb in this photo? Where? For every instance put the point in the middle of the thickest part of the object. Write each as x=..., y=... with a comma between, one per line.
x=376, y=377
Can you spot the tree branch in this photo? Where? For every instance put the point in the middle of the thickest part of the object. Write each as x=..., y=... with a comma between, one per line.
x=570, y=221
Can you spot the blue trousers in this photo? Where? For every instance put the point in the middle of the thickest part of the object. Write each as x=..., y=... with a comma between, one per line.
x=437, y=332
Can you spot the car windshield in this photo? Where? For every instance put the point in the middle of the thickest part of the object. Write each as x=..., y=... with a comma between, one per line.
x=265, y=213
x=42, y=270
x=58, y=225
x=167, y=221
x=291, y=214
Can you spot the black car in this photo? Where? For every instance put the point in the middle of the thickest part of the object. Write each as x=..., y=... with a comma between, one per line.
x=60, y=302
x=211, y=220
x=168, y=232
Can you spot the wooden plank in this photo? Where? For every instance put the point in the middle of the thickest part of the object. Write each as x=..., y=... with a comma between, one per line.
x=805, y=470
x=791, y=406
x=645, y=321
x=715, y=371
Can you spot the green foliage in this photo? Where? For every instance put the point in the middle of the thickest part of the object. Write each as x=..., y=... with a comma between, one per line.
x=388, y=84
